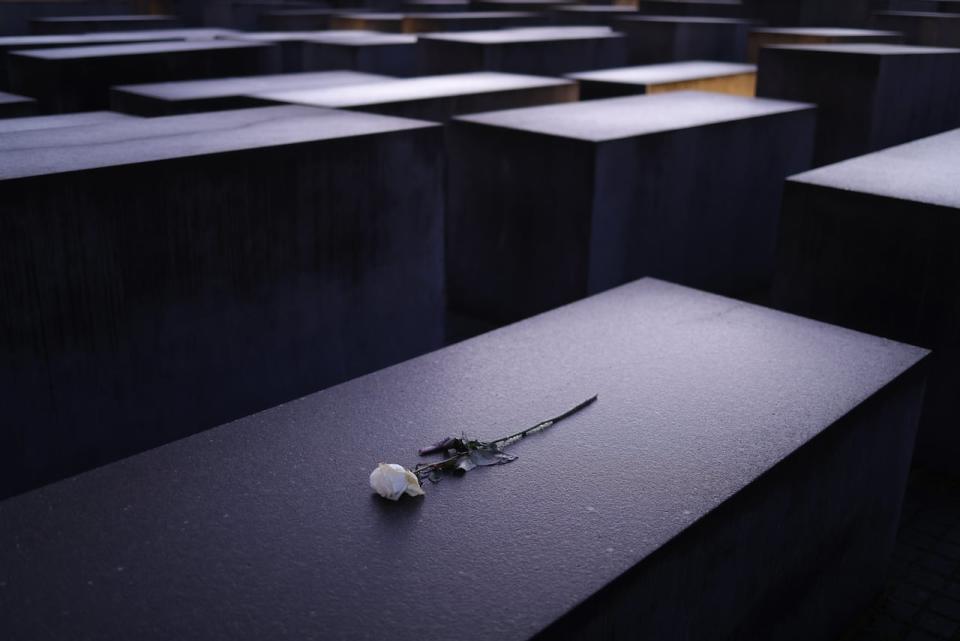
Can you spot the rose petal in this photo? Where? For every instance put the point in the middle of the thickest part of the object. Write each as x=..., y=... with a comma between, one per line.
x=389, y=480
x=413, y=484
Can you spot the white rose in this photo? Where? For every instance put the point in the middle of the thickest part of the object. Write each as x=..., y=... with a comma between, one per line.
x=391, y=481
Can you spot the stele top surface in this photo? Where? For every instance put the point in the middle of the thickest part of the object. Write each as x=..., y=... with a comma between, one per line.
x=934, y=15
x=14, y=42
x=594, y=8
x=687, y=19
x=732, y=3
x=138, y=49
x=878, y=49
x=138, y=35
x=12, y=98
x=33, y=153
x=826, y=32
x=666, y=72
x=86, y=39
x=306, y=13
x=359, y=38
x=526, y=34
x=632, y=116
x=411, y=89
x=509, y=3
x=241, y=85
x=924, y=171
x=286, y=36
x=372, y=15
x=467, y=16
x=108, y=18
x=269, y=521
x=29, y=123
x=186, y=33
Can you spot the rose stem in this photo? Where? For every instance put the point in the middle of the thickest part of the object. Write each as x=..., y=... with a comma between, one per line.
x=420, y=469
x=426, y=469
x=548, y=422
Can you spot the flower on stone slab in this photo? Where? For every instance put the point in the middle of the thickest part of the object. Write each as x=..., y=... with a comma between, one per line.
x=462, y=454
x=391, y=481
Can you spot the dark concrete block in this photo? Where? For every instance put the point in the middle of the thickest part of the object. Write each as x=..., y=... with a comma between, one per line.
x=768, y=36
x=589, y=14
x=547, y=205
x=470, y=21
x=547, y=51
x=669, y=38
x=699, y=75
x=436, y=6
x=517, y=5
x=12, y=105
x=369, y=21
x=192, y=96
x=627, y=3
x=162, y=276
x=741, y=464
x=15, y=43
x=15, y=15
x=870, y=96
x=930, y=29
x=92, y=24
x=933, y=6
x=436, y=98
x=871, y=243
x=708, y=8
x=821, y=13
x=288, y=54
x=79, y=78
x=383, y=53
x=245, y=14
x=32, y=123
x=296, y=19
x=208, y=12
